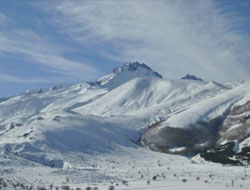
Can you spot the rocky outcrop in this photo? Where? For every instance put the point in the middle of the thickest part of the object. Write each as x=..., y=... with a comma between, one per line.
x=225, y=139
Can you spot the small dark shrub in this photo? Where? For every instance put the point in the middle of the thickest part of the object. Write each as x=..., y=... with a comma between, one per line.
x=111, y=187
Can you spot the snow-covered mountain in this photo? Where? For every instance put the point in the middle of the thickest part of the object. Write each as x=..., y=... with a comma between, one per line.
x=130, y=107
x=126, y=73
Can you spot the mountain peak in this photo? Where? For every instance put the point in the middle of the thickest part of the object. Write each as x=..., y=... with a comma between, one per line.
x=137, y=67
x=127, y=72
x=191, y=77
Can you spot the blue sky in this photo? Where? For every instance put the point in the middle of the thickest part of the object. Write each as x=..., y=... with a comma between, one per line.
x=43, y=43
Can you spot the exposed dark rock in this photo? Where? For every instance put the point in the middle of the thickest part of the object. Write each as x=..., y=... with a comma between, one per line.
x=226, y=154
x=196, y=138
x=191, y=77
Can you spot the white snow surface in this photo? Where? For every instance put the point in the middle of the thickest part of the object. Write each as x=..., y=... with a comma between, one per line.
x=93, y=130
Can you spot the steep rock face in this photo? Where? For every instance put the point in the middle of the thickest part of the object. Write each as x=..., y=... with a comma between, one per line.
x=233, y=139
x=237, y=124
x=126, y=73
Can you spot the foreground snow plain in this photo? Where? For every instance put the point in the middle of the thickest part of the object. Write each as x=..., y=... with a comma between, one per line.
x=172, y=172
x=88, y=134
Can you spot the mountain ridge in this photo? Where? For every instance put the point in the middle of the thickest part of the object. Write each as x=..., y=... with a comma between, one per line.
x=191, y=77
x=116, y=114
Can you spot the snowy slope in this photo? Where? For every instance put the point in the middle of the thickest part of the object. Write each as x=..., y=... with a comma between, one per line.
x=83, y=119
x=50, y=138
x=211, y=107
x=142, y=93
